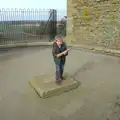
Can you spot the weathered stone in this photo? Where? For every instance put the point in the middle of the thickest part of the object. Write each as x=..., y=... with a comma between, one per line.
x=101, y=17
x=45, y=86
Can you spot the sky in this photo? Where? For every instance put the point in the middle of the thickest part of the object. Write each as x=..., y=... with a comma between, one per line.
x=56, y=4
x=60, y=5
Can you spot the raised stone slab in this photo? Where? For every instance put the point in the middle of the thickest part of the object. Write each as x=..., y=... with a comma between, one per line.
x=45, y=86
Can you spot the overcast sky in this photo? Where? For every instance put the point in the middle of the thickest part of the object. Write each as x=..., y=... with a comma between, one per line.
x=60, y=5
x=56, y=4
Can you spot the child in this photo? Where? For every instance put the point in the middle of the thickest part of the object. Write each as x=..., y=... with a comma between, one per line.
x=59, y=52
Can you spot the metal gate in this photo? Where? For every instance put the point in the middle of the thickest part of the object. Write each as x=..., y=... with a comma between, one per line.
x=29, y=25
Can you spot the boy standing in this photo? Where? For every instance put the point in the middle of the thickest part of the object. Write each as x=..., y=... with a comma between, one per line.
x=59, y=52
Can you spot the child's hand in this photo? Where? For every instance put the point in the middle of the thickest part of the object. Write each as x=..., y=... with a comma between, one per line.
x=69, y=49
x=65, y=52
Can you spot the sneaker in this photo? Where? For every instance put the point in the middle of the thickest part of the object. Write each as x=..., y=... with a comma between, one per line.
x=58, y=82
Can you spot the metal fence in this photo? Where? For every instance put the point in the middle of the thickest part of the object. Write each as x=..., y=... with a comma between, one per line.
x=30, y=25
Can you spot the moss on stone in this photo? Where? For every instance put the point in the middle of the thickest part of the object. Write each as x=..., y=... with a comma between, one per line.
x=95, y=15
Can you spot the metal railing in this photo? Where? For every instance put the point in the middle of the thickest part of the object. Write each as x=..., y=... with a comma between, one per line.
x=29, y=25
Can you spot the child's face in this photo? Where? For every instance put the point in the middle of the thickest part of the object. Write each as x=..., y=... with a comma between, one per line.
x=59, y=42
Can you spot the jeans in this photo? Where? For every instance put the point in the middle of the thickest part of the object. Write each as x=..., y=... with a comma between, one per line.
x=59, y=70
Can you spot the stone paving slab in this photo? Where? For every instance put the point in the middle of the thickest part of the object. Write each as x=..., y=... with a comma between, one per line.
x=46, y=87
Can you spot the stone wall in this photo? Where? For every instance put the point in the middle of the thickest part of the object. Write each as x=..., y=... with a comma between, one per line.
x=94, y=22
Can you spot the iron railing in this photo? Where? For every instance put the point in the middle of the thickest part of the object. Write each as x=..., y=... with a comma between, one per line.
x=29, y=25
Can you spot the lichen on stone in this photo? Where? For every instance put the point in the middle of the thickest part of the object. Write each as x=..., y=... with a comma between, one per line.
x=100, y=17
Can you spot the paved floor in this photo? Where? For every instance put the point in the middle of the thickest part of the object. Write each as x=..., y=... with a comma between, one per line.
x=100, y=85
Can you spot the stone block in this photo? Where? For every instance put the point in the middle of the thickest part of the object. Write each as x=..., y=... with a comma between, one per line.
x=46, y=87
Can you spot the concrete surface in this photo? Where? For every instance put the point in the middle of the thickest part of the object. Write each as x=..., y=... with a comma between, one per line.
x=100, y=85
x=46, y=87
x=84, y=47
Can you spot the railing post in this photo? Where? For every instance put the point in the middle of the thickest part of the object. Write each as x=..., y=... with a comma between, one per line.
x=53, y=24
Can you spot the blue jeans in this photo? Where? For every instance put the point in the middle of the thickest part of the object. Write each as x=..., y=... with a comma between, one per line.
x=59, y=70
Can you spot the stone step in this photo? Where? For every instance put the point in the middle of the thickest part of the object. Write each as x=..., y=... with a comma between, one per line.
x=46, y=87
